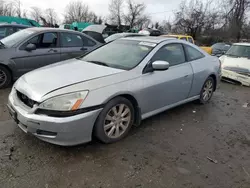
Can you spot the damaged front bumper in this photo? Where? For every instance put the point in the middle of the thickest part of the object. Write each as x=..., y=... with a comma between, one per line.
x=231, y=75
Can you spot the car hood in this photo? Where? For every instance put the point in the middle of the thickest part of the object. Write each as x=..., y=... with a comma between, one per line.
x=42, y=81
x=241, y=63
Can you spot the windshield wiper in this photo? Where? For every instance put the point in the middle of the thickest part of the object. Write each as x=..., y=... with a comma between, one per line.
x=99, y=63
x=232, y=55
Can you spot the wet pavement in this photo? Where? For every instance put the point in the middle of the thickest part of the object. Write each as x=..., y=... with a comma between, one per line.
x=191, y=146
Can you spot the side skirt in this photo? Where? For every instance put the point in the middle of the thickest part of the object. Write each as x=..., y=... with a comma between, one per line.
x=152, y=113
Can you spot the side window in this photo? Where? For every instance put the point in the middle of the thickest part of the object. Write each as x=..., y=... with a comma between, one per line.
x=184, y=38
x=88, y=42
x=46, y=40
x=192, y=53
x=3, y=32
x=190, y=40
x=10, y=31
x=49, y=40
x=71, y=40
x=172, y=53
x=34, y=40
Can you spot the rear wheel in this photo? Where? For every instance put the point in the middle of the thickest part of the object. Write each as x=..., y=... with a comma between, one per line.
x=115, y=120
x=207, y=90
x=5, y=77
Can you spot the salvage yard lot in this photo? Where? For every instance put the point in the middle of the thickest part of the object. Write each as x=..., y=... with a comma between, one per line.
x=167, y=150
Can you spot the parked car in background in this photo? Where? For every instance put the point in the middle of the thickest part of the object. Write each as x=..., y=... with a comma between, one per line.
x=236, y=64
x=97, y=32
x=219, y=49
x=150, y=32
x=9, y=29
x=105, y=92
x=32, y=48
x=121, y=35
x=191, y=40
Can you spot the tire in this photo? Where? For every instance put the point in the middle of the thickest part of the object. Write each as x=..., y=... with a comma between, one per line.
x=207, y=91
x=111, y=120
x=5, y=77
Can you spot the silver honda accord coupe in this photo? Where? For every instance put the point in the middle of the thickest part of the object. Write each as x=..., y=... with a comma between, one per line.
x=105, y=92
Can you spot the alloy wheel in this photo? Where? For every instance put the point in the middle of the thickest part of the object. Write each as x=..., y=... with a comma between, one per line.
x=207, y=90
x=117, y=121
x=3, y=77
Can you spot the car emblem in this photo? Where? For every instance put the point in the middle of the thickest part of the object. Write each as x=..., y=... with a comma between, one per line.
x=31, y=102
x=24, y=97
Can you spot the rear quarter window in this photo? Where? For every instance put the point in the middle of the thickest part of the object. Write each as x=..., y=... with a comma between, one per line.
x=192, y=53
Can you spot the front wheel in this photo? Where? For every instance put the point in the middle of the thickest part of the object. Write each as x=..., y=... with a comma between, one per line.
x=207, y=90
x=115, y=120
x=5, y=77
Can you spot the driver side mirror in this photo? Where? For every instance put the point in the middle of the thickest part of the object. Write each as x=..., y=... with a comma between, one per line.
x=160, y=65
x=30, y=47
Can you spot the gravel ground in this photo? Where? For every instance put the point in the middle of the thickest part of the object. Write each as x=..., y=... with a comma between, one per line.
x=167, y=150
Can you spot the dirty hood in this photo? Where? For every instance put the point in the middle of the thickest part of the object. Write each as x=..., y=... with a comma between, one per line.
x=38, y=83
x=241, y=63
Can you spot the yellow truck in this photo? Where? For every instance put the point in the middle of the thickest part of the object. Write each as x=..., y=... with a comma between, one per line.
x=189, y=39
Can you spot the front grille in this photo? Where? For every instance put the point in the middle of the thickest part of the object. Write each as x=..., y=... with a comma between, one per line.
x=244, y=73
x=26, y=100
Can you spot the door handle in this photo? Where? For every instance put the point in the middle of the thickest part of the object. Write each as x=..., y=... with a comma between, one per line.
x=83, y=49
x=185, y=76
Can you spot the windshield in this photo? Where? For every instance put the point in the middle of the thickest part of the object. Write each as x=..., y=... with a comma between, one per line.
x=114, y=37
x=221, y=46
x=121, y=54
x=239, y=51
x=16, y=37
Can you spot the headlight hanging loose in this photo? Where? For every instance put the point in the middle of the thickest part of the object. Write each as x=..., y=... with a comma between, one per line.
x=67, y=102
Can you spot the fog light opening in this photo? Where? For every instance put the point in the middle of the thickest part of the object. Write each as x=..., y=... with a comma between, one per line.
x=45, y=133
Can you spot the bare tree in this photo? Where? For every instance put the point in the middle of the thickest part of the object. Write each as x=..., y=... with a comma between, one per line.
x=36, y=13
x=100, y=20
x=77, y=11
x=237, y=16
x=116, y=12
x=51, y=16
x=24, y=13
x=135, y=15
x=92, y=17
x=166, y=27
x=157, y=25
x=18, y=4
x=194, y=17
x=7, y=8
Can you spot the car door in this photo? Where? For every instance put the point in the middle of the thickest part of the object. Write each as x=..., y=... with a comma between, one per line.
x=46, y=52
x=163, y=88
x=74, y=45
x=194, y=57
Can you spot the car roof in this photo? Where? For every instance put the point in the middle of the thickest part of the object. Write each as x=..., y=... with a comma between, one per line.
x=242, y=44
x=151, y=39
x=38, y=29
x=15, y=25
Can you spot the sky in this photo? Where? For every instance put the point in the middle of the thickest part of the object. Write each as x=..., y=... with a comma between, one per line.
x=158, y=10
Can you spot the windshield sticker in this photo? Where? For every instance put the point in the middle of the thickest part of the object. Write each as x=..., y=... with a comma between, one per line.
x=144, y=48
x=147, y=44
x=28, y=32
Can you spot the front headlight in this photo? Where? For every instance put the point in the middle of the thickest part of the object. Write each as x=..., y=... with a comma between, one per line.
x=67, y=102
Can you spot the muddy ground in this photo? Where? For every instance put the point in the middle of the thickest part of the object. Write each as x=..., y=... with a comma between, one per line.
x=168, y=150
